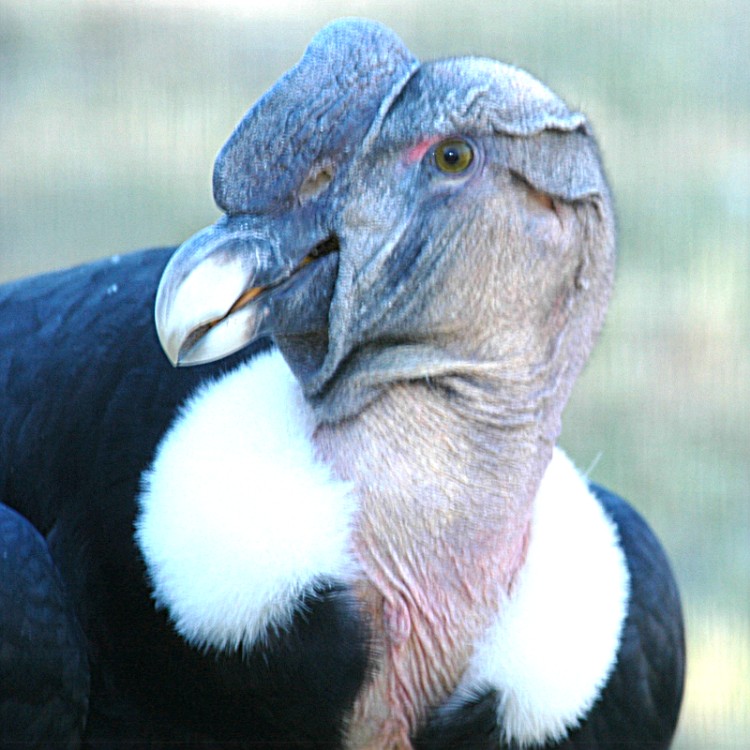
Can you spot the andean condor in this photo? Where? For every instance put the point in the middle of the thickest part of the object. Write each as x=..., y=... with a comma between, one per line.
x=356, y=531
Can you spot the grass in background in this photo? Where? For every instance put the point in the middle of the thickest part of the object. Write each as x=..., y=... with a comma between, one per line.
x=111, y=115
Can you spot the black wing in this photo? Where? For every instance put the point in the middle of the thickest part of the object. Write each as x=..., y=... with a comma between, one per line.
x=44, y=678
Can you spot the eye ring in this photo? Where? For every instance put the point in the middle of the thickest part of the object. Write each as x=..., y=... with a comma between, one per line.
x=453, y=155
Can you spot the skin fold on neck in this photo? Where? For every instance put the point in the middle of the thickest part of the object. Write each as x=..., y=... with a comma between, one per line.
x=445, y=489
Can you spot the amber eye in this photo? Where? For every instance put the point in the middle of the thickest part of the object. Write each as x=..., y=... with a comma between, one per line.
x=453, y=155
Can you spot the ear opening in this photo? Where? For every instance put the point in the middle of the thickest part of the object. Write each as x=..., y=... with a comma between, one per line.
x=537, y=198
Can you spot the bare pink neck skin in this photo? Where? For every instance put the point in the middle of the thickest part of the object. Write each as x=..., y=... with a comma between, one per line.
x=445, y=493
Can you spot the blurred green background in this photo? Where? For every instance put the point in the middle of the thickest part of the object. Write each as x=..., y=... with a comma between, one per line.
x=111, y=114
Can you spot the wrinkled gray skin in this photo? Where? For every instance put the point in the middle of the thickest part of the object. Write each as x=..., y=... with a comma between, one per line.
x=437, y=343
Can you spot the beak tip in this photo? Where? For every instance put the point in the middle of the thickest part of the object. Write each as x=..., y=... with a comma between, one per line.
x=172, y=354
x=174, y=340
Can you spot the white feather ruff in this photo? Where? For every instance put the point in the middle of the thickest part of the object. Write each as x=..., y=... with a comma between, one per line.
x=237, y=517
x=555, y=643
x=238, y=520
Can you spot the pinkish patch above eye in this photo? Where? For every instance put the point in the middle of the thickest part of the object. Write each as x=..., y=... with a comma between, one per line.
x=416, y=152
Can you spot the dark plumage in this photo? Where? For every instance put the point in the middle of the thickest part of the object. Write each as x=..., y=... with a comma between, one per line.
x=349, y=536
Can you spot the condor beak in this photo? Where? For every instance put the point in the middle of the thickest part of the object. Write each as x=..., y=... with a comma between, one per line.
x=213, y=297
x=217, y=292
x=202, y=311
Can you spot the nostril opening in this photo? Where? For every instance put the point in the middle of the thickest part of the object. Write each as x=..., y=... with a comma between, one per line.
x=315, y=183
x=329, y=245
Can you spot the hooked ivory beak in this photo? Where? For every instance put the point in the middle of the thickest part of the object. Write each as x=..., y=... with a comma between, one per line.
x=207, y=303
x=212, y=298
